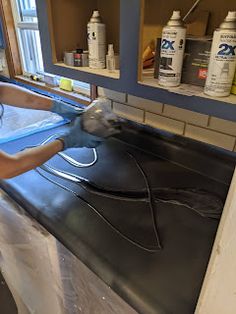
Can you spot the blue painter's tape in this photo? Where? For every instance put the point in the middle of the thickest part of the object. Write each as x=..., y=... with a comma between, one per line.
x=35, y=131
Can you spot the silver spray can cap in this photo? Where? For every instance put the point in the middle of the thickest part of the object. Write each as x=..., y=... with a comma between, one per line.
x=175, y=20
x=229, y=21
x=96, y=18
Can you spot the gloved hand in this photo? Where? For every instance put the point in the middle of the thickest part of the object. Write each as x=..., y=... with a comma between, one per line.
x=65, y=110
x=76, y=137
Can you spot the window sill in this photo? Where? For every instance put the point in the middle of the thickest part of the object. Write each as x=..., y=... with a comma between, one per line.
x=83, y=99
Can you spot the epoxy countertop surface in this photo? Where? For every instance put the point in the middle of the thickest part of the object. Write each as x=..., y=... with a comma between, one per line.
x=145, y=217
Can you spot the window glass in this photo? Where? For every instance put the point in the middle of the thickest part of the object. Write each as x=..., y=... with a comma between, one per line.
x=26, y=22
x=31, y=48
x=27, y=11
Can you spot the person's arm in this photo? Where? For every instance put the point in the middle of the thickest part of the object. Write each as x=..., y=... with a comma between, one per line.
x=13, y=95
x=14, y=165
x=73, y=136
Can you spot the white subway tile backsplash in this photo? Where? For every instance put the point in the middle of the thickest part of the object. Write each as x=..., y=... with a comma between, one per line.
x=224, y=126
x=110, y=104
x=128, y=112
x=113, y=95
x=145, y=104
x=200, y=127
x=185, y=115
x=211, y=137
x=164, y=123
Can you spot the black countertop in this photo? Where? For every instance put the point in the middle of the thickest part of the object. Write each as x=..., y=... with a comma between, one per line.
x=109, y=225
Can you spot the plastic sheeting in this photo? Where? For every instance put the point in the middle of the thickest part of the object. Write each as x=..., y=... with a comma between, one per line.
x=43, y=276
x=18, y=122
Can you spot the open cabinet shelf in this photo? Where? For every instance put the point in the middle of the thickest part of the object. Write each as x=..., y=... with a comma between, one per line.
x=102, y=72
x=131, y=25
x=184, y=89
x=203, y=21
x=67, y=25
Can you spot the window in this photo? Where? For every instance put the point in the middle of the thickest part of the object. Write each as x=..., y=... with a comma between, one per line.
x=26, y=22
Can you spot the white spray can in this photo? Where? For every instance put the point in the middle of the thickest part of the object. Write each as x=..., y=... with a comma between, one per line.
x=222, y=63
x=96, y=42
x=172, y=51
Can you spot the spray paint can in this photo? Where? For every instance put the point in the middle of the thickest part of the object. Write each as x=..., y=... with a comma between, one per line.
x=172, y=51
x=222, y=63
x=96, y=42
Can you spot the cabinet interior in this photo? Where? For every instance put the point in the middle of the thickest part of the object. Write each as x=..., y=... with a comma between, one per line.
x=68, y=23
x=203, y=21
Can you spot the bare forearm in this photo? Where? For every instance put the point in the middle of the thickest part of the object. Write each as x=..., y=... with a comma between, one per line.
x=30, y=159
x=20, y=97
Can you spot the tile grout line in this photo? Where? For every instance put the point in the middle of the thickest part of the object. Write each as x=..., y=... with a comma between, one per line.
x=185, y=126
x=144, y=117
x=234, y=148
x=162, y=109
x=208, y=122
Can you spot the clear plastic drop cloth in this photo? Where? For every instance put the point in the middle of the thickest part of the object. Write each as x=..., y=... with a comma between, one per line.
x=18, y=122
x=45, y=277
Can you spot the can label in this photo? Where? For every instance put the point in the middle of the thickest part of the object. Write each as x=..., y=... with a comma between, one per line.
x=78, y=60
x=171, y=56
x=97, y=45
x=222, y=64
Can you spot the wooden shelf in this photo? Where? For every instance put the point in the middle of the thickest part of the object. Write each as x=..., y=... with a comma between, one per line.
x=102, y=72
x=184, y=89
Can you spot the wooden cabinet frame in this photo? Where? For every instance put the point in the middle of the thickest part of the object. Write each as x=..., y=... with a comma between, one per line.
x=12, y=50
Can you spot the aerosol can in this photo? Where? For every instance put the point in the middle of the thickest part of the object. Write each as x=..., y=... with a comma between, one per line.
x=96, y=42
x=223, y=58
x=172, y=51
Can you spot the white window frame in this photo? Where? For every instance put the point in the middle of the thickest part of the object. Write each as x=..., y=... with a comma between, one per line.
x=19, y=25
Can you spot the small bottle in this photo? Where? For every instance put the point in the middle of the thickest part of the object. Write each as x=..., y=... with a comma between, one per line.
x=110, y=59
x=172, y=51
x=222, y=64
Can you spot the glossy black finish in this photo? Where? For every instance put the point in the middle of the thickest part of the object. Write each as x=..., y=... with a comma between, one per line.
x=167, y=281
